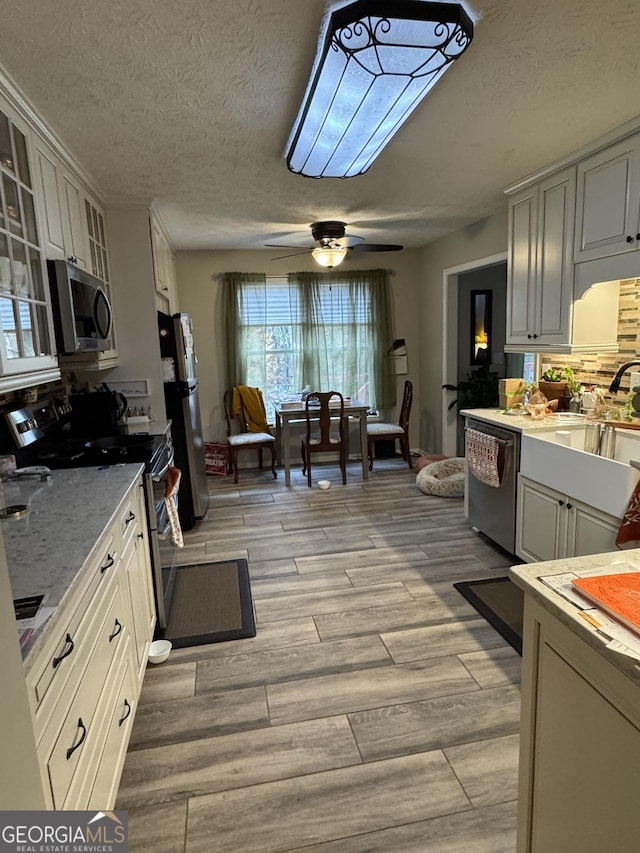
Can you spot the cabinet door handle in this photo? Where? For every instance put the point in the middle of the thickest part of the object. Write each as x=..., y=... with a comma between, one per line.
x=107, y=564
x=127, y=711
x=71, y=645
x=131, y=517
x=535, y=335
x=117, y=629
x=629, y=238
x=561, y=502
x=569, y=506
x=72, y=259
x=637, y=236
x=73, y=748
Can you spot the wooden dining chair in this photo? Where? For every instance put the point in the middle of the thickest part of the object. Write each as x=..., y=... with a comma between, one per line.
x=320, y=408
x=239, y=437
x=391, y=432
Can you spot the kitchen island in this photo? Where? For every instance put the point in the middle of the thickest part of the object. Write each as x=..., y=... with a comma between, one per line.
x=580, y=723
x=83, y=545
x=48, y=547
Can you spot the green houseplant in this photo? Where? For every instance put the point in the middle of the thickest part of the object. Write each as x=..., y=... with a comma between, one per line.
x=553, y=384
x=478, y=391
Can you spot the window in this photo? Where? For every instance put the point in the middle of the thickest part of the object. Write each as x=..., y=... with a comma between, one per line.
x=321, y=330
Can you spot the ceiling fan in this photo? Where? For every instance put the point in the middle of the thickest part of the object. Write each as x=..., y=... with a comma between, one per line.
x=334, y=244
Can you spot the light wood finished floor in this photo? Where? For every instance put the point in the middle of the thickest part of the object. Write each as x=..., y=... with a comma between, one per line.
x=374, y=710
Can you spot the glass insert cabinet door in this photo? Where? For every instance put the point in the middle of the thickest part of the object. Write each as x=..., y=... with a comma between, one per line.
x=25, y=318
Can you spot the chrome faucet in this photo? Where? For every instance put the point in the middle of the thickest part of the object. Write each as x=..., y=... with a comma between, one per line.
x=615, y=385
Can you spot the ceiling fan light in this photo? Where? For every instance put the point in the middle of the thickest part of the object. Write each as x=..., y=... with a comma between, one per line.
x=376, y=61
x=329, y=256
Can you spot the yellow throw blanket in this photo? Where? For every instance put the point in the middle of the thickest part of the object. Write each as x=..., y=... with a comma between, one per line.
x=250, y=402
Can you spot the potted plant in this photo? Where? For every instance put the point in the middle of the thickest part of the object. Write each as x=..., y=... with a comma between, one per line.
x=478, y=391
x=574, y=387
x=553, y=384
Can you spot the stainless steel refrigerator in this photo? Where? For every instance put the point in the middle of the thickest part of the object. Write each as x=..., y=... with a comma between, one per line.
x=179, y=367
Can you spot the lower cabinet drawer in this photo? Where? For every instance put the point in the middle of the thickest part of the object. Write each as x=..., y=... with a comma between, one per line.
x=111, y=762
x=77, y=733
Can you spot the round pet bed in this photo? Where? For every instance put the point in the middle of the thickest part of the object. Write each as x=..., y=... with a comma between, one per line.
x=445, y=479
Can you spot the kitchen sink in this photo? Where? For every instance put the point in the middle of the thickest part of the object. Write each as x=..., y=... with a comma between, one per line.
x=605, y=484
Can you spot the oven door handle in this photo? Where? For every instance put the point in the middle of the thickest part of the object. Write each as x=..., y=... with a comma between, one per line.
x=157, y=478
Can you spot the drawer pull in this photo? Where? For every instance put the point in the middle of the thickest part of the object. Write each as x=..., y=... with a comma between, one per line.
x=117, y=629
x=126, y=712
x=73, y=748
x=107, y=564
x=69, y=640
x=131, y=517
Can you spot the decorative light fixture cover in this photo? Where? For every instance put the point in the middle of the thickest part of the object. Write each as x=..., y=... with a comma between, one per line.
x=376, y=62
x=329, y=256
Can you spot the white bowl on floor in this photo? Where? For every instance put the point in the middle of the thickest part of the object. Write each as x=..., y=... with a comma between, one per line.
x=324, y=484
x=159, y=651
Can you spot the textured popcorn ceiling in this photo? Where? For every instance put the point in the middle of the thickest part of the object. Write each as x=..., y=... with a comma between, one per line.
x=191, y=103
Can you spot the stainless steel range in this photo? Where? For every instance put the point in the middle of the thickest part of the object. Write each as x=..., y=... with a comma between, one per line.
x=37, y=434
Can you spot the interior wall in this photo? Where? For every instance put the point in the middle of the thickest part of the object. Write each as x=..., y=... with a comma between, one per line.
x=200, y=295
x=482, y=239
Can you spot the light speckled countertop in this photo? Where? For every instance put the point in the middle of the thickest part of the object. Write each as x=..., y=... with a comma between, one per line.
x=521, y=423
x=67, y=516
x=526, y=577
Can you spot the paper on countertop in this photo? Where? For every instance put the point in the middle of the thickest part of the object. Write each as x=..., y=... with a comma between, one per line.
x=616, y=636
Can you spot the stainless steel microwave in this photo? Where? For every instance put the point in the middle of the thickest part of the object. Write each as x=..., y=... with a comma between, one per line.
x=81, y=311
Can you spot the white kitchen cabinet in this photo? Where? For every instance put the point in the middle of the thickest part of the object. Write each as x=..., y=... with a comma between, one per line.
x=27, y=348
x=163, y=268
x=608, y=202
x=137, y=567
x=540, y=262
x=551, y=525
x=84, y=681
x=544, y=313
x=64, y=231
x=579, y=743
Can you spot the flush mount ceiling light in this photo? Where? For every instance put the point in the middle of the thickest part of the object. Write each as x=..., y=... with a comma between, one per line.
x=329, y=256
x=376, y=62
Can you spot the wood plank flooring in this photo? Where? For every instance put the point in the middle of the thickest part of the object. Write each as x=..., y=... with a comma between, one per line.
x=374, y=710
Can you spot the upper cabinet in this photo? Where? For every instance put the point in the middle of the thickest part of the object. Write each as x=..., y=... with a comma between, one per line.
x=608, y=203
x=73, y=228
x=570, y=238
x=61, y=200
x=27, y=348
x=163, y=268
x=540, y=268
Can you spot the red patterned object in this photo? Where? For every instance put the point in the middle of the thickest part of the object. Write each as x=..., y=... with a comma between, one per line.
x=629, y=531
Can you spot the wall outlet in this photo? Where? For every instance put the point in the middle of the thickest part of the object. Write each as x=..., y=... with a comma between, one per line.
x=634, y=381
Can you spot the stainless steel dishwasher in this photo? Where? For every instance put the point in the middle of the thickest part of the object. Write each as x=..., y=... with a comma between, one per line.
x=492, y=508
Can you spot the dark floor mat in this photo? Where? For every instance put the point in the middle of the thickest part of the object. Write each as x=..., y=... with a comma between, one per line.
x=211, y=604
x=500, y=602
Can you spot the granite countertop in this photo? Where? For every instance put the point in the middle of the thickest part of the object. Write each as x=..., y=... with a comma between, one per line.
x=47, y=548
x=520, y=423
x=526, y=577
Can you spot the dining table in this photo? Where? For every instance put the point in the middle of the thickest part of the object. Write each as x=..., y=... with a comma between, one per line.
x=288, y=412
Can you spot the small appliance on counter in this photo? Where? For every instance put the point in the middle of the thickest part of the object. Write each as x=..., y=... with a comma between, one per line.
x=96, y=413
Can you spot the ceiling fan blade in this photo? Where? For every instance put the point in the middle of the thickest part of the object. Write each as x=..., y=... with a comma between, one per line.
x=285, y=246
x=293, y=255
x=375, y=247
